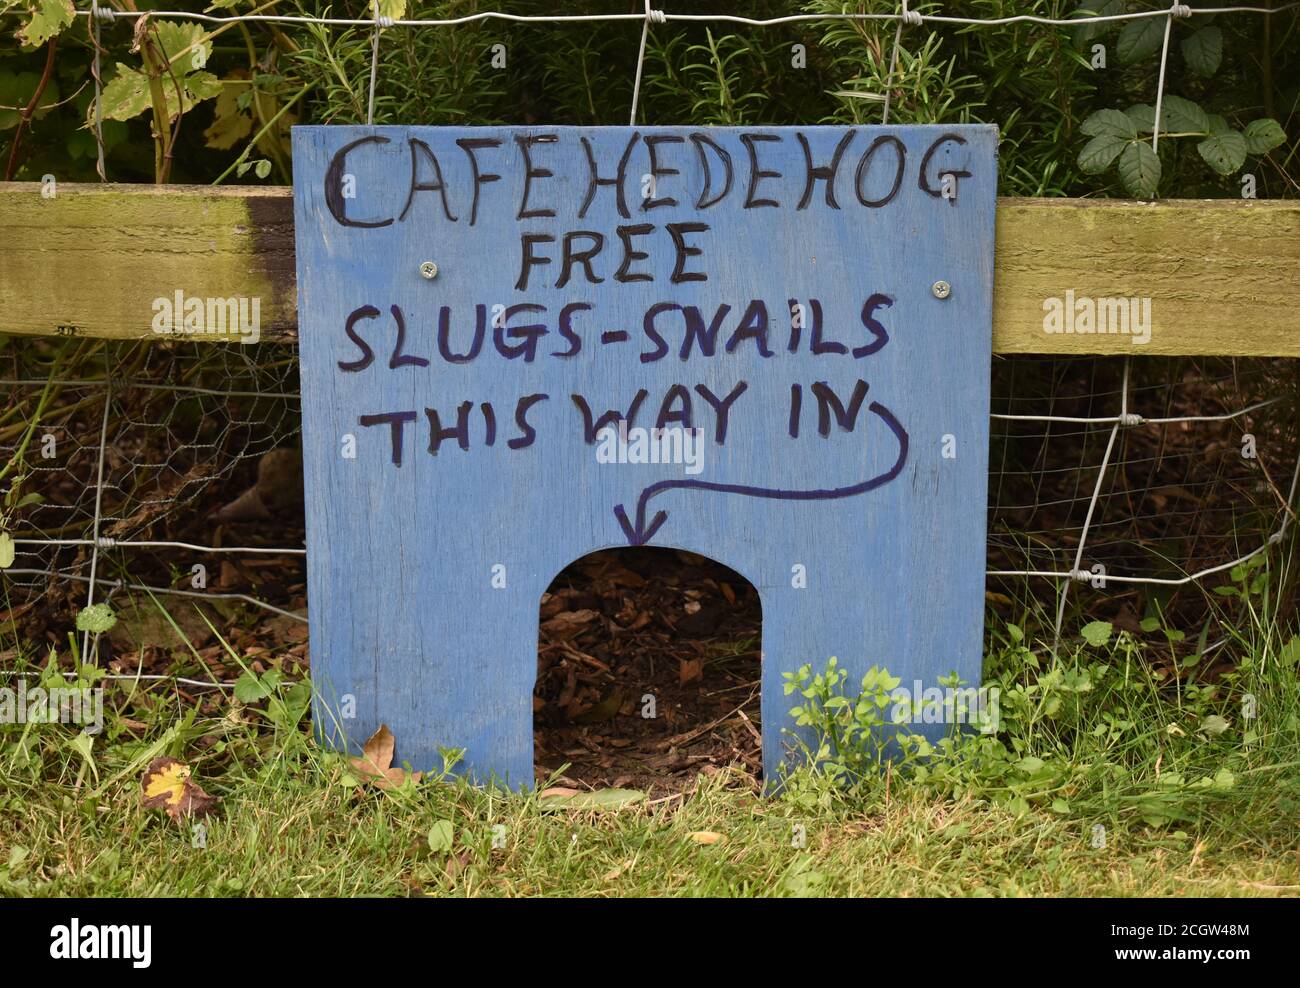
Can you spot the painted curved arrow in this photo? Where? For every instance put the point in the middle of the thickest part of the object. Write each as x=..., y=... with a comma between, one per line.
x=640, y=533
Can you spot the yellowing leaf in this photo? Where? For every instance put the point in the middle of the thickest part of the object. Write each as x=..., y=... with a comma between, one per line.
x=167, y=786
x=230, y=124
x=706, y=837
x=48, y=18
x=186, y=47
x=168, y=781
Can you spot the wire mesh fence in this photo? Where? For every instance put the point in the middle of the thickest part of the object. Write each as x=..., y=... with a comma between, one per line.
x=200, y=493
x=170, y=469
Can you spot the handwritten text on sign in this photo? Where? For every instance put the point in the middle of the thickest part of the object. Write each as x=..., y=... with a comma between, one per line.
x=523, y=345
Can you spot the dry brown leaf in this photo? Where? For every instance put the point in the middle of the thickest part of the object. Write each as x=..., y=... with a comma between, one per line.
x=689, y=670
x=167, y=785
x=558, y=792
x=615, y=873
x=566, y=624
x=375, y=763
x=457, y=863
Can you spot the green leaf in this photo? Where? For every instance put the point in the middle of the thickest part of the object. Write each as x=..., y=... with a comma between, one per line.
x=1140, y=38
x=442, y=837
x=262, y=168
x=126, y=95
x=1143, y=116
x=1098, y=154
x=178, y=36
x=6, y=550
x=48, y=18
x=1014, y=630
x=17, y=90
x=17, y=855
x=1097, y=633
x=187, y=48
x=1225, y=153
x=1139, y=170
x=1214, y=725
x=601, y=799
x=1109, y=122
x=1181, y=116
x=1085, y=32
x=1263, y=135
x=1203, y=50
x=1150, y=624
x=1290, y=652
x=82, y=744
x=249, y=688
x=97, y=618
x=396, y=9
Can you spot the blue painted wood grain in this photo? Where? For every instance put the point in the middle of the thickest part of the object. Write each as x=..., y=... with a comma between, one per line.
x=425, y=577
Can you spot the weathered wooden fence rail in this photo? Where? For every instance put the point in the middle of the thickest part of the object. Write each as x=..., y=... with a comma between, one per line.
x=1222, y=275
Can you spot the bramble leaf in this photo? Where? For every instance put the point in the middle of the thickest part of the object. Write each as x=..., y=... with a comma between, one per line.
x=1139, y=170
x=1203, y=50
x=1140, y=38
x=1225, y=153
x=1263, y=135
x=1098, y=154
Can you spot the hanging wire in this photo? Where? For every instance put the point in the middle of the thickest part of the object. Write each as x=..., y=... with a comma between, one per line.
x=658, y=17
x=99, y=500
x=379, y=23
x=905, y=16
x=1177, y=10
x=670, y=18
x=98, y=14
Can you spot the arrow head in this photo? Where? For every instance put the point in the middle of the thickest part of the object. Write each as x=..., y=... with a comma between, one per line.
x=640, y=533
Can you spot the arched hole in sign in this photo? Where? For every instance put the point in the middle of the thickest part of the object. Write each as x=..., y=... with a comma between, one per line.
x=648, y=664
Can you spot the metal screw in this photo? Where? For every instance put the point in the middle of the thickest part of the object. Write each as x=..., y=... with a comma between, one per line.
x=941, y=289
x=429, y=270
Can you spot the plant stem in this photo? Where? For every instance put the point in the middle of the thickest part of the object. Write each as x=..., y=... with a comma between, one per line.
x=269, y=124
x=30, y=108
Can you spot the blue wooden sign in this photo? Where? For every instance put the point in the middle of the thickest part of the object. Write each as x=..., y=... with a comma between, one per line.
x=769, y=346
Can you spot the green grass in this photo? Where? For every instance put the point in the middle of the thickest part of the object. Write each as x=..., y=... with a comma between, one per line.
x=1187, y=764
x=291, y=832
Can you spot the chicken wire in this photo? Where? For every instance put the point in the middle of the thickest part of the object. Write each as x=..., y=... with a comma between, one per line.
x=1201, y=474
